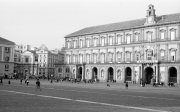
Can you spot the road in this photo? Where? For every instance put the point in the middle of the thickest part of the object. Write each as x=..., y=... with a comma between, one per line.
x=97, y=97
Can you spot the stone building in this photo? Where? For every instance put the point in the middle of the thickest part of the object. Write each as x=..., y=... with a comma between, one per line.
x=6, y=57
x=146, y=49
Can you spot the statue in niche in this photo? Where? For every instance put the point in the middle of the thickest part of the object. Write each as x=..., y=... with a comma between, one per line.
x=87, y=74
x=119, y=74
x=102, y=74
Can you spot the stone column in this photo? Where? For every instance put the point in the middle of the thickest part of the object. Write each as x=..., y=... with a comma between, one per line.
x=178, y=32
x=84, y=56
x=114, y=76
x=107, y=55
x=2, y=57
x=157, y=33
x=71, y=58
x=167, y=51
x=114, y=41
x=178, y=76
x=91, y=41
x=167, y=36
x=91, y=60
x=107, y=39
x=158, y=52
x=124, y=37
x=133, y=54
x=166, y=75
x=123, y=54
x=178, y=52
x=132, y=38
x=144, y=53
x=78, y=60
x=114, y=55
x=98, y=58
x=11, y=54
x=157, y=74
x=133, y=72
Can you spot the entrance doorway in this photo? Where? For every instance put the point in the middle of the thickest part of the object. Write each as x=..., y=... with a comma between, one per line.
x=110, y=74
x=173, y=75
x=80, y=73
x=128, y=74
x=94, y=73
x=148, y=75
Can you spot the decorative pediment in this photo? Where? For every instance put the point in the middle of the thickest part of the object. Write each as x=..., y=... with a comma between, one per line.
x=172, y=49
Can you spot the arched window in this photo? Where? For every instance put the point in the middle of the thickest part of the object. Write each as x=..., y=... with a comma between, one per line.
x=149, y=54
x=95, y=41
x=88, y=42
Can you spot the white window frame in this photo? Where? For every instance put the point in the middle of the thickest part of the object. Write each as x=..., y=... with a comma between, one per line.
x=119, y=39
x=149, y=36
x=110, y=40
x=119, y=57
x=162, y=34
x=102, y=41
x=110, y=57
x=128, y=38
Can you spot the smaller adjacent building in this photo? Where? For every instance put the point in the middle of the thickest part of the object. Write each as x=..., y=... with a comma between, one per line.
x=47, y=59
x=6, y=57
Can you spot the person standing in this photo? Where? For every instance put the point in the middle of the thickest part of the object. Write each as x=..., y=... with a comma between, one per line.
x=126, y=85
x=38, y=85
x=21, y=81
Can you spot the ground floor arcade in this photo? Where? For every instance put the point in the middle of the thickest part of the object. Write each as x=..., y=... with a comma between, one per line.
x=135, y=73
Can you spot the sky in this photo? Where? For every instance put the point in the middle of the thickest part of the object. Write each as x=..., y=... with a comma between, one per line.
x=37, y=22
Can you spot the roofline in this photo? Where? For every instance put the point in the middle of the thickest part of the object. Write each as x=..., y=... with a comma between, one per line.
x=158, y=24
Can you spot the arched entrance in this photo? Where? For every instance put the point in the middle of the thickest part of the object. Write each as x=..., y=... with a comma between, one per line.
x=172, y=75
x=148, y=75
x=110, y=74
x=80, y=73
x=94, y=73
x=128, y=74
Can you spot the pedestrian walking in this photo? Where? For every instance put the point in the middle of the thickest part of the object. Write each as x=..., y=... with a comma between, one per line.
x=21, y=81
x=126, y=85
x=27, y=82
x=9, y=82
x=38, y=85
x=1, y=80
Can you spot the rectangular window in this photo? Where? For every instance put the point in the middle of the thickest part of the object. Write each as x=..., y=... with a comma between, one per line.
x=162, y=56
x=7, y=49
x=87, y=56
x=6, y=67
x=102, y=58
x=128, y=37
x=110, y=57
x=95, y=41
x=102, y=41
x=110, y=40
x=162, y=35
x=88, y=42
x=172, y=35
x=7, y=58
x=149, y=37
x=128, y=57
x=173, y=56
x=136, y=37
x=137, y=57
x=119, y=57
x=95, y=58
x=81, y=43
x=74, y=44
x=149, y=55
x=119, y=39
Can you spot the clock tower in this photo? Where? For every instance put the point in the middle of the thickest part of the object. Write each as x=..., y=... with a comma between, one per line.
x=151, y=16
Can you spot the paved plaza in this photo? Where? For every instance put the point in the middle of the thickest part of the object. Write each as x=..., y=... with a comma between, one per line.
x=87, y=97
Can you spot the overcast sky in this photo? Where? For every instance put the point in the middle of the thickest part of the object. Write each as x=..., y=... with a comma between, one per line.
x=36, y=22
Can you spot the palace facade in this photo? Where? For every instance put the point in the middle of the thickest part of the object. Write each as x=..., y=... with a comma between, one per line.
x=138, y=50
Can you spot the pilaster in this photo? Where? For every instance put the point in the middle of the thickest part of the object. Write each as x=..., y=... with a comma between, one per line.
x=178, y=75
x=123, y=54
x=98, y=58
x=133, y=54
x=167, y=51
x=2, y=57
x=167, y=36
x=91, y=60
x=106, y=55
x=114, y=58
